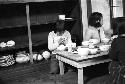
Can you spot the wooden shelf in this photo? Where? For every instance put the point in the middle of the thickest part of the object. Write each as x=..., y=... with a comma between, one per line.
x=33, y=23
x=7, y=49
x=24, y=1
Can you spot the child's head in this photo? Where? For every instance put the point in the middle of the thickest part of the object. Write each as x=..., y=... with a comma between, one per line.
x=60, y=23
x=121, y=28
x=95, y=19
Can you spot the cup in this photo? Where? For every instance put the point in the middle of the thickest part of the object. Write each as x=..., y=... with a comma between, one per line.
x=83, y=51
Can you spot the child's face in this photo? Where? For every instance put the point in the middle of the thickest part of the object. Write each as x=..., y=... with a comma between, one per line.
x=60, y=26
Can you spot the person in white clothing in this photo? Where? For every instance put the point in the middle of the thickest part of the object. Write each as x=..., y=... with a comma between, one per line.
x=95, y=29
x=55, y=39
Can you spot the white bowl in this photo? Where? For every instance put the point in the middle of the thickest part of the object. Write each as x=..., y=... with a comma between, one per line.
x=83, y=51
x=94, y=41
x=104, y=47
x=93, y=50
x=85, y=43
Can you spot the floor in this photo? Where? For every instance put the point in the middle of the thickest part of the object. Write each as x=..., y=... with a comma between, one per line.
x=38, y=73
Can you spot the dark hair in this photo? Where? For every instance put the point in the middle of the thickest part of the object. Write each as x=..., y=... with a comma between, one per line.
x=94, y=19
x=121, y=28
x=60, y=25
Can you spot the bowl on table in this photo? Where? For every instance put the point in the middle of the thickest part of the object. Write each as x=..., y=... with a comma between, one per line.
x=85, y=43
x=82, y=51
x=93, y=50
x=104, y=47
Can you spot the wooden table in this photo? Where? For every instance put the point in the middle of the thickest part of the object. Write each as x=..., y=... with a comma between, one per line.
x=80, y=62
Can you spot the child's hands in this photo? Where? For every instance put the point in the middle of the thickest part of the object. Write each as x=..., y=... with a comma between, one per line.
x=62, y=41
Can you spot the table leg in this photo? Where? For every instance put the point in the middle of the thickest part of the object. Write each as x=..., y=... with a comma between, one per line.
x=61, y=66
x=80, y=76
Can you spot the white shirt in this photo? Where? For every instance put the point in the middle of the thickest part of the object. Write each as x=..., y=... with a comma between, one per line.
x=92, y=33
x=53, y=39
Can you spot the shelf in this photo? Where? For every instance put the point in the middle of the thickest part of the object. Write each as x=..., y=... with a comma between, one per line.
x=17, y=17
x=7, y=49
x=33, y=22
x=24, y=1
